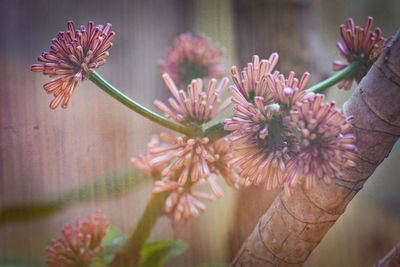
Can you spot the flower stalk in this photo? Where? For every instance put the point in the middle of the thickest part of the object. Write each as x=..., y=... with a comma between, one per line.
x=133, y=105
x=131, y=255
x=339, y=76
x=214, y=132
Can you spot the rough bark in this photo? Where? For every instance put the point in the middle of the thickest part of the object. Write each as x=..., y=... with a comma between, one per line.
x=391, y=259
x=264, y=27
x=293, y=226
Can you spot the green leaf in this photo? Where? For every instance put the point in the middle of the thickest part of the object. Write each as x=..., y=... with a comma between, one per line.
x=113, y=243
x=156, y=254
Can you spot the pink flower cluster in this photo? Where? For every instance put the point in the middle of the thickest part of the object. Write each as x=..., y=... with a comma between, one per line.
x=193, y=57
x=72, y=54
x=284, y=135
x=281, y=135
x=80, y=244
x=252, y=81
x=359, y=44
x=182, y=162
x=324, y=149
x=195, y=106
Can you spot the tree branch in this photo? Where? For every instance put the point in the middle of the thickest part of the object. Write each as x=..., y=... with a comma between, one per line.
x=293, y=226
x=391, y=259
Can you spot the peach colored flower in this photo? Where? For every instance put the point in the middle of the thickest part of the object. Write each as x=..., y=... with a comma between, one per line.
x=80, y=244
x=183, y=203
x=193, y=57
x=191, y=158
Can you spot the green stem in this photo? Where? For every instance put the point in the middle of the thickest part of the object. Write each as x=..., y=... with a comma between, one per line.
x=216, y=132
x=115, y=93
x=131, y=255
x=339, y=76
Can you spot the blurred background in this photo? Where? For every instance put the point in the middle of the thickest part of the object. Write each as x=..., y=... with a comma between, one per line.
x=47, y=155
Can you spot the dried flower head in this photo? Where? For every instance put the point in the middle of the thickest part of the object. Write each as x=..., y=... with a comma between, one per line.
x=359, y=44
x=190, y=158
x=182, y=204
x=72, y=54
x=196, y=106
x=192, y=57
x=324, y=149
x=252, y=81
x=80, y=244
x=262, y=143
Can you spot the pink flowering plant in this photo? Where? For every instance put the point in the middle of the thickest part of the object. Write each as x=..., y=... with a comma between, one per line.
x=280, y=134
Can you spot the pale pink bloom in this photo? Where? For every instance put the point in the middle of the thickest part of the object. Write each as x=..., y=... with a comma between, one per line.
x=183, y=202
x=324, y=148
x=359, y=44
x=252, y=80
x=190, y=158
x=80, y=244
x=193, y=57
x=262, y=143
x=287, y=91
x=143, y=160
x=195, y=106
x=72, y=55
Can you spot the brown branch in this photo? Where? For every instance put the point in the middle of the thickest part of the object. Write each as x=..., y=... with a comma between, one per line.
x=293, y=226
x=392, y=259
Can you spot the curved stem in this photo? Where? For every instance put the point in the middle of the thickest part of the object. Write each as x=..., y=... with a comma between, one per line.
x=131, y=255
x=339, y=76
x=115, y=93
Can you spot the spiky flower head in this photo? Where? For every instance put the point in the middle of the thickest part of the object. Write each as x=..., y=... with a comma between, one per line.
x=71, y=57
x=252, y=80
x=191, y=158
x=287, y=91
x=325, y=149
x=195, y=106
x=287, y=136
x=183, y=202
x=192, y=57
x=188, y=163
x=262, y=143
x=359, y=44
x=80, y=244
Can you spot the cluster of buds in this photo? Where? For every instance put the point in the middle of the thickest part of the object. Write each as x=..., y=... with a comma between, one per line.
x=192, y=57
x=361, y=45
x=271, y=141
x=72, y=54
x=197, y=106
x=280, y=133
x=252, y=81
x=80, y=244
x=182, y=162
x=324, y=149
